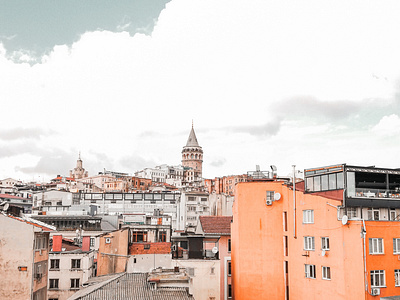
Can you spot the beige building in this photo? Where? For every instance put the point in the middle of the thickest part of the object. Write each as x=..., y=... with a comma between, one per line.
x=24, y=253
x=70, y=266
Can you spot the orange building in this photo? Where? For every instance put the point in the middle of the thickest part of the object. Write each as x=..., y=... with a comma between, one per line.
x=336, y=237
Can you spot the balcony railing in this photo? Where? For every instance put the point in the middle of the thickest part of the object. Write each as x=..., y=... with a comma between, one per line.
x=375, y=193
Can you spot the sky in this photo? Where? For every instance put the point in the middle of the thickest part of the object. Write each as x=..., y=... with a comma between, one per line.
x=290, y=82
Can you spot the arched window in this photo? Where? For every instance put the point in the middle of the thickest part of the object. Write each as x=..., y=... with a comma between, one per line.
x=191, y=156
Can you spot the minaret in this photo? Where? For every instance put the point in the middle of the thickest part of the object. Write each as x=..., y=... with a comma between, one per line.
x=192, y=159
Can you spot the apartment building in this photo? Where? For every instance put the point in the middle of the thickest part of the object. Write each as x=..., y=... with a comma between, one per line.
x=335, y=235
x=142, y=244
x=120, y=203
x=71, y=264
x=24, y=253
x=219, y=228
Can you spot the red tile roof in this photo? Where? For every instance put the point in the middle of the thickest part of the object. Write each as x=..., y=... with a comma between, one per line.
x=7, y=196
x=216, y=224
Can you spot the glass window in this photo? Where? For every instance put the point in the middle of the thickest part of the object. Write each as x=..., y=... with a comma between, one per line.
x=377, y=278
x=54, y=264
x=310, y=271
x=340, y=181
x=397, y=277
x=351, y=184
x=396, y=246
x=376, y=246
x=332, y=181
x=326, y=273
x=325, y=243
x=317, y=183
x=324, y=183
x=308, y=216
x=310, y=184
x=309, y=243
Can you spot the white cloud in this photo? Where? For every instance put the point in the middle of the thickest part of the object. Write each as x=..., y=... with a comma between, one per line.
x=221, y=63
x=388, y=126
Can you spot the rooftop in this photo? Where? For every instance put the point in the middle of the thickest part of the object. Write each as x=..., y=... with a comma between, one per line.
x=134, y=286
x=216, y=224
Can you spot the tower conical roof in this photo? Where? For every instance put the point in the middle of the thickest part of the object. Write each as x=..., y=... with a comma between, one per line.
x=192, y=140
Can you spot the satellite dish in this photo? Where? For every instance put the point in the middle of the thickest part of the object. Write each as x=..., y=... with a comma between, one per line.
x=6, y=206
x=277, y=196
x=345, y=220
x=323, y=253
x=214, y=250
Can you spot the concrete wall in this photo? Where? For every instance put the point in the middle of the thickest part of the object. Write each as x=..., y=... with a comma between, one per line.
x=16, y=249
x=205, y=282
x=65, y=273
x=148, y=262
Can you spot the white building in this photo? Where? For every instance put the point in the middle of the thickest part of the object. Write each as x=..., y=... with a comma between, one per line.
x=123, y=203
x=191, y=207
x=69, y=267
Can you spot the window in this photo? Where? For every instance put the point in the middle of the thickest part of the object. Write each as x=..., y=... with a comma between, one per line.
x=326, y=273
x=351, y=212
x=285, y=221
x=310, y=271
x=53, y=284
x=229, y=268
x=393, y=215
x=92, y=239
x=229, y=245
x=75, y=263
x=396, y=246
x=309, y=243
x=229, y=291
x=373, y=214
x=139, y=236
x=270, y=195
x=397, y=277
x=54, y=264
x=212, y=270
x=74, y=283
x=376, y=246
x=163, y=236
x=325, y=243
x=308, y=216
x=378, y=278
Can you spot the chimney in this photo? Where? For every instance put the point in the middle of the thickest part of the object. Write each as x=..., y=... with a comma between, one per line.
x=57, y=243
x=86, y=243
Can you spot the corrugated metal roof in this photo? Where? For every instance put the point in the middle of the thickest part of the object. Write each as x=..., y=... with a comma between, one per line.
x=132, y=286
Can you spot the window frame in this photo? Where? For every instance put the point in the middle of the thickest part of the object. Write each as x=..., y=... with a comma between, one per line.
x=397, y=277
x=325, y=243
x=326, y=273
x=308, y=216
x=374, y=249
x=75, y=283
x=309, y=271
x=309, y=243
x=375, y=278
x=56, y=262
x=75, y=263
x=56, y=283
x=396, y=246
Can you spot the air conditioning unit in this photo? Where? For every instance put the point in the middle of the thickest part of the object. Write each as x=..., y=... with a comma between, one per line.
x=375, y=291
x=269, y=202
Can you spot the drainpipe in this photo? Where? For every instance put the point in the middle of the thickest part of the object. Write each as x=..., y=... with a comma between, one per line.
x=294, y=201
x=364, y=233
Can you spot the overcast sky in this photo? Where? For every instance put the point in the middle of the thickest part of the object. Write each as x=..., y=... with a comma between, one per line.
x=306, y=83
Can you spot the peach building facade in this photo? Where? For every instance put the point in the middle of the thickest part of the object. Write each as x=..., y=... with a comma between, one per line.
x=324, y=241
x=24, y=253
